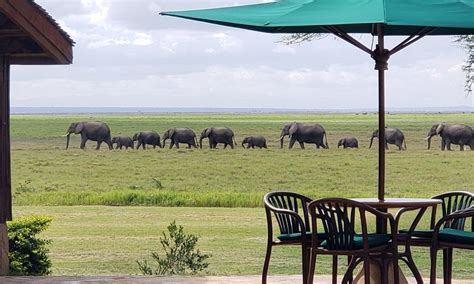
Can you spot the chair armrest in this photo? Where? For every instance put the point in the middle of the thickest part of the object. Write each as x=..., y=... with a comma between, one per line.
x=290, y=213
x=465, y=213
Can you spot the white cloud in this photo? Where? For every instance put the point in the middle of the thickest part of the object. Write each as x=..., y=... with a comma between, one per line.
x=175, y=62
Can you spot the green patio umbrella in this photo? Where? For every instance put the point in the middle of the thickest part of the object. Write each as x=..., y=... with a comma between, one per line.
x=412, y=18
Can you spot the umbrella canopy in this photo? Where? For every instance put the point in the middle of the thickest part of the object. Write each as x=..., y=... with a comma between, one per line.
x=400, y=17
x=413, y=18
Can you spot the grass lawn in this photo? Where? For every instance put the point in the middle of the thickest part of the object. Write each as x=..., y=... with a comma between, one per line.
x=106, y=240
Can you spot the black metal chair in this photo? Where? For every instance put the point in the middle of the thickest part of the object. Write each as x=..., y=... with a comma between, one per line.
x=291, y=214
x=447, y=235
x=340, y=217
x=451, y=202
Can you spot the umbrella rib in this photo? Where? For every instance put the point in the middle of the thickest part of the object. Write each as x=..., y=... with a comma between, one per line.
x=343, y=35
x=412, y=39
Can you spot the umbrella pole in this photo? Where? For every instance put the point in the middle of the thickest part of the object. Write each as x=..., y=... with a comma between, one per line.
x=381, y=57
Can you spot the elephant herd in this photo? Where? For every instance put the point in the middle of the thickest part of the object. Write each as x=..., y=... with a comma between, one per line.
x=311, y=133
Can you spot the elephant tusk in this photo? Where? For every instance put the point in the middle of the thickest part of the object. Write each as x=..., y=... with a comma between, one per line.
x=427, y=138
x=281, y=137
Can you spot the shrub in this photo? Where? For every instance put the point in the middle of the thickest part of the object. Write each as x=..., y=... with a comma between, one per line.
x=180, y=257
x=29, y=253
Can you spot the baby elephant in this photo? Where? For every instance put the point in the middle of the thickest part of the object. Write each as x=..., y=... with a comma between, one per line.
x=122, y=141
x=255, y=141
x=348, y=142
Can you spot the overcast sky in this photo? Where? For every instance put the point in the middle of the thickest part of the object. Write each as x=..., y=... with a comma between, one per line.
x=126, y=55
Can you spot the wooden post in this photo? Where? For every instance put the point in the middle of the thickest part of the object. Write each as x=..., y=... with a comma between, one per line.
x=5, y=172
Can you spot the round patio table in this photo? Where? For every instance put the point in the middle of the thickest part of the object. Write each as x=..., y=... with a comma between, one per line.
x=405, y=204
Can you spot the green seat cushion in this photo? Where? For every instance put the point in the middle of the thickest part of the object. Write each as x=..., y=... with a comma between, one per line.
x=456, y=236
x=375, y=240
x=296, y=236
x=419, y=233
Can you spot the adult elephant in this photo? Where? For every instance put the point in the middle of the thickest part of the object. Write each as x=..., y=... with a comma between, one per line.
x=217, y=135
x=147, y=138
x=392, y=136
x=302, y=133
x=452, y=134
x=180, y=135
x=90, y=130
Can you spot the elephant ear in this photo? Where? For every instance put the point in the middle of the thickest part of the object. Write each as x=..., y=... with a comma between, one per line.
x=293, y=129
x=171, y=132
x=208, y=131
x=440, y=128
x=79, y=127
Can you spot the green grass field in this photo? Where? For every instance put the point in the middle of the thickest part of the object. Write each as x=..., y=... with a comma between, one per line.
x=94, y=239
x=44, y=173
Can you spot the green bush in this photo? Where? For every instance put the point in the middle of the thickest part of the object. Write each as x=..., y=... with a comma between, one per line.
x=180, y=254
x=29, y=253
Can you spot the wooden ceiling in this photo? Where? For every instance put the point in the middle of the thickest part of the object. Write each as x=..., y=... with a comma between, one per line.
x=29, y=35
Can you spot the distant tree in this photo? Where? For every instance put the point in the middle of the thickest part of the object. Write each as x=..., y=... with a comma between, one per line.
x=466, y=42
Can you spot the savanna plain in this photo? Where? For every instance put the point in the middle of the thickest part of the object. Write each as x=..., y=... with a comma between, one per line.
x=110, y=207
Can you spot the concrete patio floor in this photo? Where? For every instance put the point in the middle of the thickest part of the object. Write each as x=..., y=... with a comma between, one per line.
x=255, y=279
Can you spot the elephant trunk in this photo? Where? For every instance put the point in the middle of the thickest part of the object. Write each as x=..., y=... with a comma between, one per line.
x=200, y=142
x=281, y=141
x=243, y=144
x=371, y=140
x=428, y=138
x=164, y=142
x=68, y=135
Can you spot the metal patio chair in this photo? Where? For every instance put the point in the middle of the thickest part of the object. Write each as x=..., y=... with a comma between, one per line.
x=447, y=235
x=451, y=202
x=290, y=212
x=340, y=217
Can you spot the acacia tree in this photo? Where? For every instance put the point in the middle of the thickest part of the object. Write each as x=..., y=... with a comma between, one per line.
x=466, y=42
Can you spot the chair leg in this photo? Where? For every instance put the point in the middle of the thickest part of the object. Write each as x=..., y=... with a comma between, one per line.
x=447, y=265
x=350, y=268
x=367, y=269
x=433, y=252
x=311, y=267
x=266, y=263
x=334, y=269
x=396, y=275
x=304, y=262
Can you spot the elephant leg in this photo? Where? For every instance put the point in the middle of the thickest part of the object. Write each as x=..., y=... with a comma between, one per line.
x=231, y=145
x=225, y=145
x=98, y=145
x=154, y=146
x=177, y=145
x=443, y=144
x=301, y=145
x=109, y=143
x=448, y=145
x=292, y=142
x=461, y=147
x=317, y=146
x=83, y=143
x=116, y=147
x=386, y=145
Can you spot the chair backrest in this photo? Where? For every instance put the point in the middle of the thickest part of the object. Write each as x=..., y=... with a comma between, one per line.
x=451, y=202
x=294, y=202
x=338, y=217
